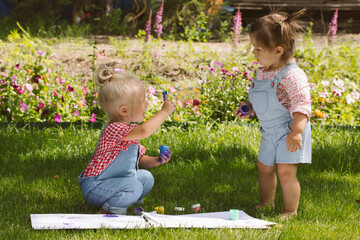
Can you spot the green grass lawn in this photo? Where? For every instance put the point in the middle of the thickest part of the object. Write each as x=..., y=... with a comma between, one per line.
x=214, y=165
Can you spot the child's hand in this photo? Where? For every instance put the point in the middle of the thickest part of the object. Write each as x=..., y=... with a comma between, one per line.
x=168, y=107
x=165, y=156
x=238, y=113
x=293, y=141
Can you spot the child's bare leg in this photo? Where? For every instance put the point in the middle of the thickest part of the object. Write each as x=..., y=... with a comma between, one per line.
x=267, y=184
x=290, y=187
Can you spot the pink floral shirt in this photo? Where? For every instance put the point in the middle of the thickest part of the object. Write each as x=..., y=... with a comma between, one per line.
x=293, y=90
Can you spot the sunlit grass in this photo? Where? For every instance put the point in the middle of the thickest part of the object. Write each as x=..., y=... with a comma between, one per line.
x=214, y=165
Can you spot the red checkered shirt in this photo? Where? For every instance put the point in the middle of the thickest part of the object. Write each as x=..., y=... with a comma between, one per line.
x=109, y=146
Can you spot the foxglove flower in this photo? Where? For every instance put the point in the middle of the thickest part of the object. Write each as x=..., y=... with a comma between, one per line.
x=158, y=20
x=237, y=22
x=333, y=27
x=148, y=27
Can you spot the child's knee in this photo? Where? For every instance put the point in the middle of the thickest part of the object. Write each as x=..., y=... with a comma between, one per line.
x=146, y=178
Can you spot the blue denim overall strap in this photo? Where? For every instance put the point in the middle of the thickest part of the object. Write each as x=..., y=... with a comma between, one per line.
x=266, y=105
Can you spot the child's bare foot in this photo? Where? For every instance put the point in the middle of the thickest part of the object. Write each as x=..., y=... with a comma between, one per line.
x=287, y=215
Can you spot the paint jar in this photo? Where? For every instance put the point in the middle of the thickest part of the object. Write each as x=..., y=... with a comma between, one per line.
x=245, y=109
x=160, y=210
x=196, y=207
x=179, y=209
x=234, y=214
x=163, y=148
x=138, y=210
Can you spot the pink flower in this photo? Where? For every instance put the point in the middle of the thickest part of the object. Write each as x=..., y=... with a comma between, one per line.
x=28, y=87
x=148, y=27
x=151, y=90
x=53, y=55
x=196, y=102
x=98, y=55
x=70, y=88
x=196, y=111
x=212, y=70
x=84, y=91
x=93, y=118
x=333, y=27
x=179, y=103
x=41, y=105
x=218, y=63
x=23, y=106
x=76, y=113
x=187, y=102
x=61, y=81
x=57, y=117
x=55, y=93
x=41, y=53
x=158, y=20
x=17, y=66
x=4, y=74
x=173, y=90
x=237, y=27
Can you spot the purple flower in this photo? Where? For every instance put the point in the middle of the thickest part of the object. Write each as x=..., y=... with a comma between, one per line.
x=57, y=117
x=41, y=53
x=93, y=117
x=4, y=74
x=17, y=66
x=237, y=22
x=212, y=70
x=45, y=112
x=158, y=20
x=333, y=27
x=148, y=27
x=218, y=63
x=23, y=106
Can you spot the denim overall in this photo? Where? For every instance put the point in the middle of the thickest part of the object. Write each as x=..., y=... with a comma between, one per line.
x=276, y=124
x=120, y=185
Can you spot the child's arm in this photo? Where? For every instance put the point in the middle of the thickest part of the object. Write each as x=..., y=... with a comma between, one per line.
x=152, y=124
x=293, y=139
x=147, y=162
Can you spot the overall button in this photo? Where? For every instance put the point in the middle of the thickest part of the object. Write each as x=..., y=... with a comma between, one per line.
x=252, y=85
x=272, y=84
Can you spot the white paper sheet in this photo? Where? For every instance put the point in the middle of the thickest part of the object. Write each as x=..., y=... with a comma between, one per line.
x=146, y=220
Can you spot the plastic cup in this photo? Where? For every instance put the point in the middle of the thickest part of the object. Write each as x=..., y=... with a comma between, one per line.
x=234, y=214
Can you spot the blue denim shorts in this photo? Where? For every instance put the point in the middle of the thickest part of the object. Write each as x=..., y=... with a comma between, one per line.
x=273, y=148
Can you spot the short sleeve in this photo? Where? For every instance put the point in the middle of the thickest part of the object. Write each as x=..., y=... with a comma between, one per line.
x=142, y=151
x=297, y=88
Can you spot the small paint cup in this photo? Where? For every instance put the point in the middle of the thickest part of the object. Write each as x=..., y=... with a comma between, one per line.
x=196, y=207
x=245, y=109
x=234, y=214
